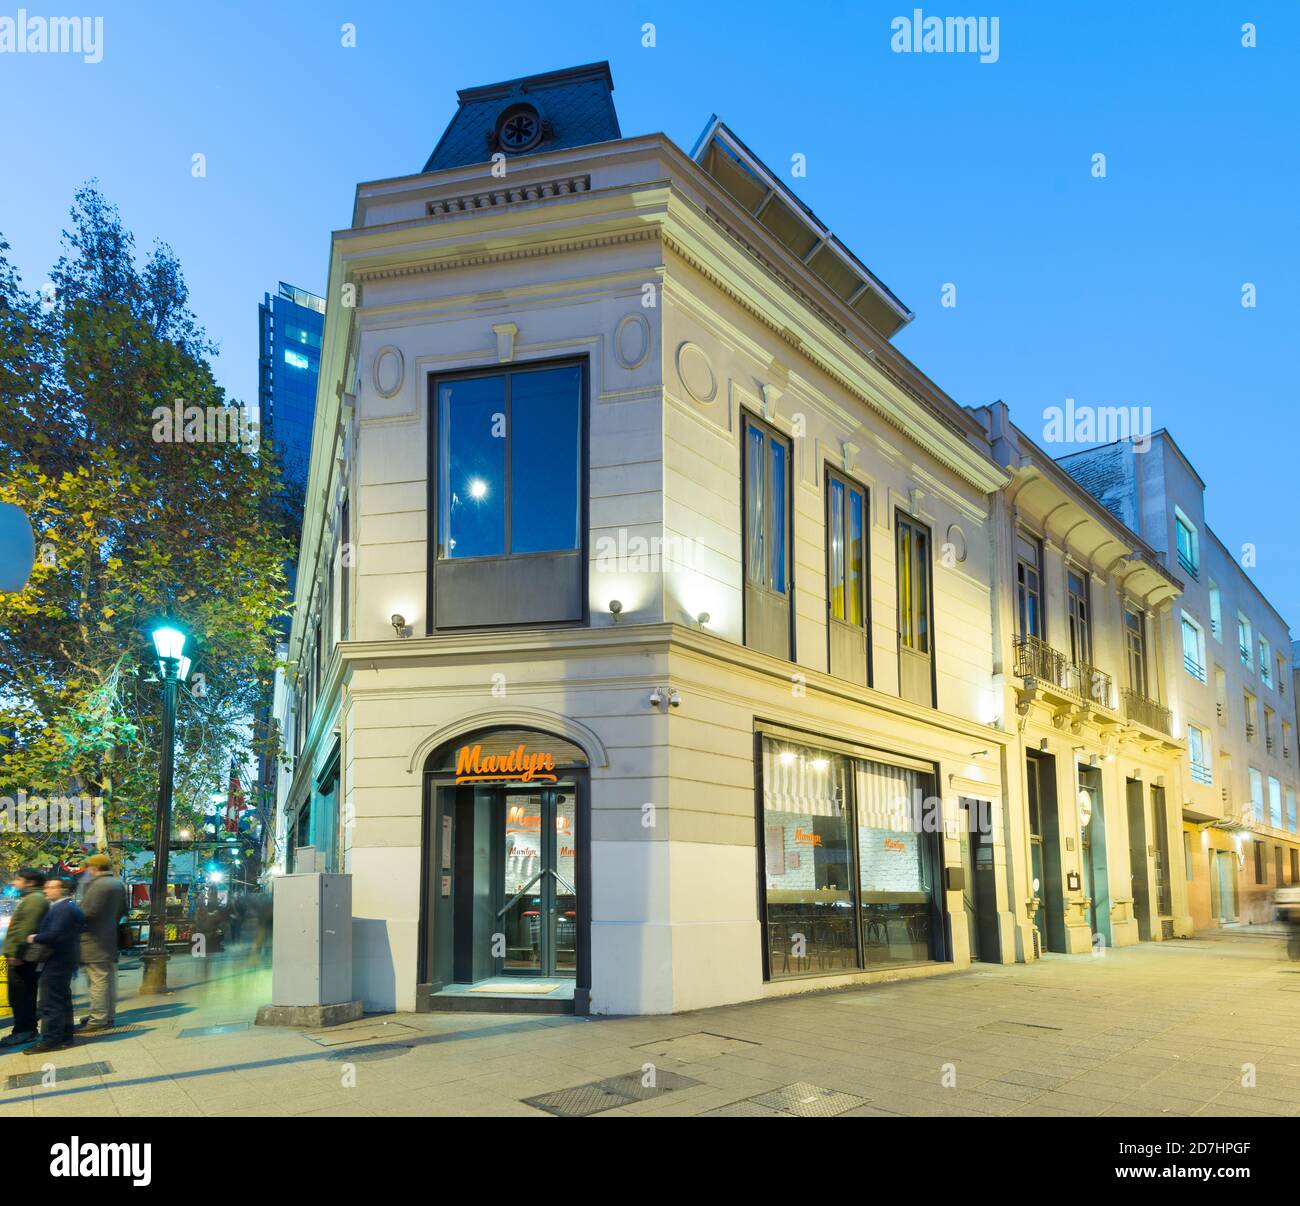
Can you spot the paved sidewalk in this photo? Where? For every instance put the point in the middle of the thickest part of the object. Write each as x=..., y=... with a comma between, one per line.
x=1163, y=1029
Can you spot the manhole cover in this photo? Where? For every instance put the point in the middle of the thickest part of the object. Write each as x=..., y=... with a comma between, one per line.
x=631, y=1085
x=33, y=1080
x=808, y=1101
x=365, y=1055
x=585, y=1100
x=688, y=1048
x=579, y=1102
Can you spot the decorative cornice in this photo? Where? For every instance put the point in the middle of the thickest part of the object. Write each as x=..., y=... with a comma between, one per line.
x=453, y=262
x=515, y=194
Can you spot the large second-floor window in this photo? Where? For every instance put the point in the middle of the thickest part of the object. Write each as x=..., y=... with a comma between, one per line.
x=1080, y=613
x=766, y=471
x=509, y=504
x=1274, y=803
x=846, y=577
x=1135, y=647
x=1029, y=586
x=1244, y=639
x=1265, y=662
x=915, y=643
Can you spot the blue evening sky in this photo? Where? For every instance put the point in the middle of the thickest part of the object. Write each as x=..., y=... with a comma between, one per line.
x=934, y=168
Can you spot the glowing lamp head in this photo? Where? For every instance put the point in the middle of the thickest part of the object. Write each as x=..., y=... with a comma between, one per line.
x=169, y=644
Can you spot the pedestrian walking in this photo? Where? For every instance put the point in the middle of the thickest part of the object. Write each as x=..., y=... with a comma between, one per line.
x=60, y=932
x=103, y=903
x=20, y=955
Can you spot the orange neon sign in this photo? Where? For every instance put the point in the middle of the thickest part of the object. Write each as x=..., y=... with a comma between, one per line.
x=520, y=766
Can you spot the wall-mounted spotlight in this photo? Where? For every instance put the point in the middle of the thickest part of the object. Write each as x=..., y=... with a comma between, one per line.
x=398, y=622
x=1042, y=745
x=703, y=618
x=674, y=700
x=615, y=608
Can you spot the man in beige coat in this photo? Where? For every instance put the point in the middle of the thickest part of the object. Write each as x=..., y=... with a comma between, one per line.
x=103, y=901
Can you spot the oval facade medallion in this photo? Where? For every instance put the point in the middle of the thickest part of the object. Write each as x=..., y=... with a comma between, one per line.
x=632, y=341
x=957, y=541
x=696, y=372
x=389, y=371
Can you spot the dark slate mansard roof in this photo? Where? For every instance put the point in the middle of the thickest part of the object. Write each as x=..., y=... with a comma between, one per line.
x=576, y=108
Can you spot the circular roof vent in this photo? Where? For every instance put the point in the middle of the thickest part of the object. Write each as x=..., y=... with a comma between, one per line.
x=519, y=129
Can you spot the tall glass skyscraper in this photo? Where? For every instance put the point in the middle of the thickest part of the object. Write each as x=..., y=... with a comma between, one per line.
x=290, y=324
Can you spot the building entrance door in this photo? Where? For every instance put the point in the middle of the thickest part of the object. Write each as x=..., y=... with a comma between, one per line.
x=1224, y=869
x=979, y=891
x=537, y=896
x=507, y=874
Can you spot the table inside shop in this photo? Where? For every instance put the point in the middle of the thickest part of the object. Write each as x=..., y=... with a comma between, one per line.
x=824, y=916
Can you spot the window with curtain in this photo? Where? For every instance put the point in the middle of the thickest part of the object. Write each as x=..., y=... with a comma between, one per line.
x=850, y=876
x=913, y=585
x=846, y=526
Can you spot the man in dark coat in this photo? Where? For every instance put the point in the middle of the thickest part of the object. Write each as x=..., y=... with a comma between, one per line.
x=60, y=930
x=23, y=972
x=103, y=902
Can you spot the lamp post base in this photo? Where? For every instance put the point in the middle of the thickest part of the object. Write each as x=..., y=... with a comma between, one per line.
x=154, y=981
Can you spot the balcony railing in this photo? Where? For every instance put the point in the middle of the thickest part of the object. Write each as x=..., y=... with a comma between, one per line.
x=1201, y=773
x=1146, y=711
x=1194, y=668
x=1035, y=658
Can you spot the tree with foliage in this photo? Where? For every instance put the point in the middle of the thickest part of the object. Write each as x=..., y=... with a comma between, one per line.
x=132, y=521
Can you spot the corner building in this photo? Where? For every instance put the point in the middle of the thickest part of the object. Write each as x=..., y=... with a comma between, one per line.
x=644, y=627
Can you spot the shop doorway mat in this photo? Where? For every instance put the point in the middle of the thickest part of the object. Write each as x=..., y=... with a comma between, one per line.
x=510, y=990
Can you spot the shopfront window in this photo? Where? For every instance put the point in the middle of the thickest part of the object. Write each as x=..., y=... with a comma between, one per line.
x=849, y=862
x=895, y=864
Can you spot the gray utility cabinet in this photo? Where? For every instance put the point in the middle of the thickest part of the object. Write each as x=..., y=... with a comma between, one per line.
x=312, y=944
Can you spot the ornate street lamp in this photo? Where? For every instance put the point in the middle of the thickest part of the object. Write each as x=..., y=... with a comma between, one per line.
x=169, y=641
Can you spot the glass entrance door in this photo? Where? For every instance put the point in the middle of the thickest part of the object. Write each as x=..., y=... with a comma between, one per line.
x=537, y=910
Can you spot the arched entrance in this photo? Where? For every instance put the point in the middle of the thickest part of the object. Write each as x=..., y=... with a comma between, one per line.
x=507, y=873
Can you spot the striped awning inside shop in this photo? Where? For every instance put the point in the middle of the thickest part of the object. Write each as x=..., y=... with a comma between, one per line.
x=801, y=781
x=888, y=796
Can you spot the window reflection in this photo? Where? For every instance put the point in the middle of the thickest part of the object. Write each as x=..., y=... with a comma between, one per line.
x=510, y=463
